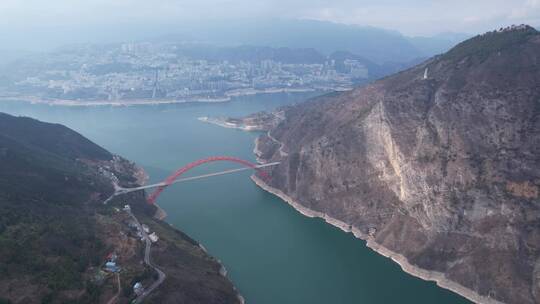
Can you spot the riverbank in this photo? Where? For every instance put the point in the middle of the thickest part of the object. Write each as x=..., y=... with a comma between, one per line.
x=142, y=178
x=438, y=277
x=227, y=97
x=249, y=92
x=116, y=103
x=222, y=122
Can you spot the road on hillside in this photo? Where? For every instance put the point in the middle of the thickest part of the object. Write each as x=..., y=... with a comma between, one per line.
x=147, y=261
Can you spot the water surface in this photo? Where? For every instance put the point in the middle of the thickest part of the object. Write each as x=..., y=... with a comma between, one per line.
x=274, y=255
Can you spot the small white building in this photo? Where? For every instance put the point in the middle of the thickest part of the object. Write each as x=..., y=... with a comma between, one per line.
x=138, y=288
x=145, y=228
x=153, y=237
x=127, y=208
x=111, y=267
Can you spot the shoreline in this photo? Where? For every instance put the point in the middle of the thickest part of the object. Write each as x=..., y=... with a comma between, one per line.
x=225, y=124
x=227, y=97
x=117, y=103
x=160, y=214
x=258, y=152
x=250, y=92
x=142, y=178
x=438, y=277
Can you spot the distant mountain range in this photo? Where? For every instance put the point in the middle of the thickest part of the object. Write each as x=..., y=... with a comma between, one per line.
x=375, y=44
x=250, y=53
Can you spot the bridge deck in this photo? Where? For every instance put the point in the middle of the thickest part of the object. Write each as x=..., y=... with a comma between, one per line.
x=128, y=190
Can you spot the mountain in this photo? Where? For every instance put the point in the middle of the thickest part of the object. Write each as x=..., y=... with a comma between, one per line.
x=255, y=54
x=375, y=44
x=56, y=233
x=437, y=166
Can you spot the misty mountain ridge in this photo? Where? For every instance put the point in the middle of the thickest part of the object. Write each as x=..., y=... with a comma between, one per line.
x=375, y=44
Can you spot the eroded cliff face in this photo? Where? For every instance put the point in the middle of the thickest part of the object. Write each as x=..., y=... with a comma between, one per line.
x=439, y=163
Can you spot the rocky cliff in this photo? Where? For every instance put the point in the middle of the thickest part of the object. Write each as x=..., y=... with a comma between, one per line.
x=437, y=166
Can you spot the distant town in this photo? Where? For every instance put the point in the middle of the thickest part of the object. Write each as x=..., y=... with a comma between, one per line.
x=174, y=72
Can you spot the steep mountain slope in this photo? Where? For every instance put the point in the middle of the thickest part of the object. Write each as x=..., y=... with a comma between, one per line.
x=55, y=232
x=437, y=166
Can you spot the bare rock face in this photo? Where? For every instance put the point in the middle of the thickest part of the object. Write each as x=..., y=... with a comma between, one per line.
x=439, y=163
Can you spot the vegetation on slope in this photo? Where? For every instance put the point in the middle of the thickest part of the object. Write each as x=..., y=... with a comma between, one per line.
x=484, y=45
x=47, y=233
x=55, y=233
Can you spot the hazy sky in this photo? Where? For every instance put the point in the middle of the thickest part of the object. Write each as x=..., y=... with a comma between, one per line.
x=413, y=17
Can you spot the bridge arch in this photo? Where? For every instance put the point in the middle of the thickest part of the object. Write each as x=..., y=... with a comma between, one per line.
x=169, y=180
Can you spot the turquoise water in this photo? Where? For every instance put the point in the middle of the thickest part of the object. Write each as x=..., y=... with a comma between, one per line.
x=273, y=253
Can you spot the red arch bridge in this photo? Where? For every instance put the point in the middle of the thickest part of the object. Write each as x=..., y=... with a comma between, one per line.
x=176, y=176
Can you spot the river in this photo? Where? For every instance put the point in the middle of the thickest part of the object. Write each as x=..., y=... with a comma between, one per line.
x=273, y=254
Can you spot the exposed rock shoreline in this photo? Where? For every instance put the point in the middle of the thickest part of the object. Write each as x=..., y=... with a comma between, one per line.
x=142, y=178
x=438, y=277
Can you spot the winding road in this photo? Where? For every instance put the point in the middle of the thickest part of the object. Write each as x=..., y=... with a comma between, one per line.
x=118, y=290
x=147, y=261
x=148, y=243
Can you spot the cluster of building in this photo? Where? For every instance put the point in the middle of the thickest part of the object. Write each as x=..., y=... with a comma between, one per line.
x=110, y=265
x=142, y=230
x=162, y=72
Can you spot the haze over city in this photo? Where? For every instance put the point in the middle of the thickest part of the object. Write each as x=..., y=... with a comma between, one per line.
x=269, y=151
